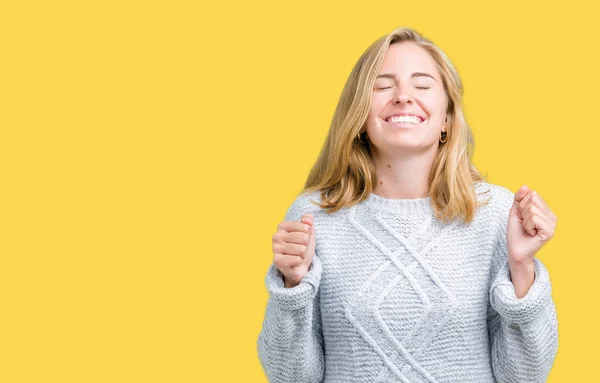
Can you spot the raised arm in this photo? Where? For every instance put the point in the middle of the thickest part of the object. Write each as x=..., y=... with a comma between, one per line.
x=290, y=344
x=523, y=332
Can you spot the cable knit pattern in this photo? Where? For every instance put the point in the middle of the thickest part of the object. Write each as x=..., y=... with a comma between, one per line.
x=395, y=295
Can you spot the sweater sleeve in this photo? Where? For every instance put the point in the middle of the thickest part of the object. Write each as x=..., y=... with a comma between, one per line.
x=523, y=331
x=290, y=344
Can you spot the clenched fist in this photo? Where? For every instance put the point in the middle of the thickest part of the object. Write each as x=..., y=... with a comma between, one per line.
x=294, y=248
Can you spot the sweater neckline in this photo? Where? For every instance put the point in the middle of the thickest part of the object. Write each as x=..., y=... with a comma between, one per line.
x=400, y=206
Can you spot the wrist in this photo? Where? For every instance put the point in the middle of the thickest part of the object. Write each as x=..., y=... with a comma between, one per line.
x=522, y=276
x=523, y=265
x=288, y=285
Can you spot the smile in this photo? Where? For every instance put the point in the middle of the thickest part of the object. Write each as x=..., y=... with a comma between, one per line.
x=404, y=123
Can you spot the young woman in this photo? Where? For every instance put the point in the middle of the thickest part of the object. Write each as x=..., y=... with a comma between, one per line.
x=399, y=262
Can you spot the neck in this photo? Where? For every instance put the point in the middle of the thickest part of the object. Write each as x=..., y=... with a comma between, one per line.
x=403, y=177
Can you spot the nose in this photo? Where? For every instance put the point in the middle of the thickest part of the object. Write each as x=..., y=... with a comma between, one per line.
x=402, y=96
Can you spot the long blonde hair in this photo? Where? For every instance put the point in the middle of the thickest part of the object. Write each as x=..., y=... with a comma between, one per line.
x=344, y=172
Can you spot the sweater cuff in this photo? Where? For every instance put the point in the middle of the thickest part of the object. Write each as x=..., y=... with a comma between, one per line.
x=298, y=296
x=525, y=309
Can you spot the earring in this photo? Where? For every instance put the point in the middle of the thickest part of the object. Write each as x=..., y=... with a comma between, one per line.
x=443, y=137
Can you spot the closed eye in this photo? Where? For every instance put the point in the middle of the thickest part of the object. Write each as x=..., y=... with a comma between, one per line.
x=418, y=87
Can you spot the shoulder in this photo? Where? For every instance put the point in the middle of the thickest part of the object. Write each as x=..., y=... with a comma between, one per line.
x=499, y=199
x=304, y=203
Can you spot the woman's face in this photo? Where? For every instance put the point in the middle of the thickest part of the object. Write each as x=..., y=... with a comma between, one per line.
x=409, y=83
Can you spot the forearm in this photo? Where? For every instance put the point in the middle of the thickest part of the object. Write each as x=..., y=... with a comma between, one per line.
x=522, y=276
x=523, y=331
x=290, y=345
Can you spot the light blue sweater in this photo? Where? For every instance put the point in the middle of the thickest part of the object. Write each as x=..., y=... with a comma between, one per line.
x=395, y=295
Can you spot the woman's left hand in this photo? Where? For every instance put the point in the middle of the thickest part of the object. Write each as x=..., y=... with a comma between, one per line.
x=531, y=224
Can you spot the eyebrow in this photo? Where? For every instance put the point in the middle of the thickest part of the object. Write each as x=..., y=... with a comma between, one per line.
x=415, y=74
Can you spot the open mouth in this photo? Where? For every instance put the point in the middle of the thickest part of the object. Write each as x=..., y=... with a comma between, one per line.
x=405, y=122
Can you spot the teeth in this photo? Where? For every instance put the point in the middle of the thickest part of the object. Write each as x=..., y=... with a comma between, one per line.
x=409, y=119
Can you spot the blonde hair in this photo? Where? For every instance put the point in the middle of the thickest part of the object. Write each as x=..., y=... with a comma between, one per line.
x=344, y=172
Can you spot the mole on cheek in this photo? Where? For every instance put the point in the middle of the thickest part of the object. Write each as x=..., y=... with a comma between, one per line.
x=380, y=182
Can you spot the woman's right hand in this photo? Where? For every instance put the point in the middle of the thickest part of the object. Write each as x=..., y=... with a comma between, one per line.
x=294, y=249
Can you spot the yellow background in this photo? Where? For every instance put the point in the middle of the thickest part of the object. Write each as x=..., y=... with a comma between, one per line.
x=150, y=148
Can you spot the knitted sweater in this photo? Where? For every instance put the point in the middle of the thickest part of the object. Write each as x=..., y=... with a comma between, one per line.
x=395, y=295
